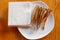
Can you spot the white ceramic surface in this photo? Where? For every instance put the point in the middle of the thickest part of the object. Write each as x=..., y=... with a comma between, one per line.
x=27, y=33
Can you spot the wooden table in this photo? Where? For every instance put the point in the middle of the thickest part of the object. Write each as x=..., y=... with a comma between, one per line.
x=12, y=33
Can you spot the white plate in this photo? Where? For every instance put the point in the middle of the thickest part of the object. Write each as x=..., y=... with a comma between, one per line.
x=27, y=33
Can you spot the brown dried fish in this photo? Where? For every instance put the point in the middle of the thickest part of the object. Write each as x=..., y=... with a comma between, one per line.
x=39, y=15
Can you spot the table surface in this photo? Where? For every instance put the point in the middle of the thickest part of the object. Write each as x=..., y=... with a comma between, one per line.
x=12, y=33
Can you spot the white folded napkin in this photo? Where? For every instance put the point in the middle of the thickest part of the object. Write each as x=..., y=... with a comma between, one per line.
x=19, y=13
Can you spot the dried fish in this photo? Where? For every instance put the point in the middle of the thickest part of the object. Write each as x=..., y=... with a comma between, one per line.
x=39, y=15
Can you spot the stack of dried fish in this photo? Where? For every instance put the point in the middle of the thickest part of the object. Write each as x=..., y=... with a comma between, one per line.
x=39, y=16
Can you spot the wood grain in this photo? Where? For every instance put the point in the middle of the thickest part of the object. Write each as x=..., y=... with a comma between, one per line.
x=12, y=33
